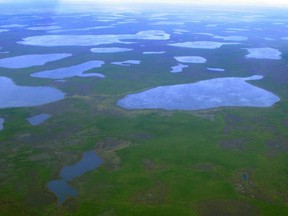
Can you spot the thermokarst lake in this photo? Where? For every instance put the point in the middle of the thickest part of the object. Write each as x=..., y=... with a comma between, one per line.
x=2, y=120
x=13, y=95
x=191, y=59
x=178, y=68
x=201, y=95
x=61, y=187
x=31, y=60
x=143, y=109
x=90, y=40
x=201, y=44
x=75, y=70
x=127, y=63
x=110, y=50
x=38, y=119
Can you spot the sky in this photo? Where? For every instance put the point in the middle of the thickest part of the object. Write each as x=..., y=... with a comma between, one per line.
x=276, y=3
x=240, y=2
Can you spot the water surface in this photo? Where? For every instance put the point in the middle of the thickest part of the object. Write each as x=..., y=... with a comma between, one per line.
x=61, y=188
x=127, y=63
x=75, y=70
x=110, y=50
x=264, y=53
x=216, y=69
x=153, y=52
x=12, y=95
x=191, y=59
x=201, y=44
x=219, y=92
x=90, y=161
x=178, y=68
x=38, y=119
x=245, y=176
x=31, y=60
x=90, y=40
x=2, y=120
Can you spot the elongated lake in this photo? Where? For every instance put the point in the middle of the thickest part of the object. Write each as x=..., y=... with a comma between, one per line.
x=38, y=119
x=75, y=70
x=31, y=60
x=2, y=120
x=61, y=188
x=219, y=92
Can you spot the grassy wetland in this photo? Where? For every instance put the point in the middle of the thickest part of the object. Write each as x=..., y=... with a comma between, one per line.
x=226, y=160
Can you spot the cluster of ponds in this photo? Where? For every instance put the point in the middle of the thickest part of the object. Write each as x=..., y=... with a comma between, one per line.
x=172, y=38
x=61, y=187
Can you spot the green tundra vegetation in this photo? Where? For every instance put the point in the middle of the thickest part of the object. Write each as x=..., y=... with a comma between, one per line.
x=221, y=161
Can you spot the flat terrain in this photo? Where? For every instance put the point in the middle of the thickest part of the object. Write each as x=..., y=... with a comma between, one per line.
x=221, y=161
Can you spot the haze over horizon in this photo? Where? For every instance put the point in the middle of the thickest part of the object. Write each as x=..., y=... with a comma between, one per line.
x=279, y=3
x=143, y=107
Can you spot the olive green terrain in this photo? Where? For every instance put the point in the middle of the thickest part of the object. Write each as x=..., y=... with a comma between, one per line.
x=156, y=162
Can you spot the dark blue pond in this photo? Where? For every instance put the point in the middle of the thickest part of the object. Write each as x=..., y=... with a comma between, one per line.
x=2, y=120
x=61, y=188
x=90, y=161
x=38, y=119
x=245, y=176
